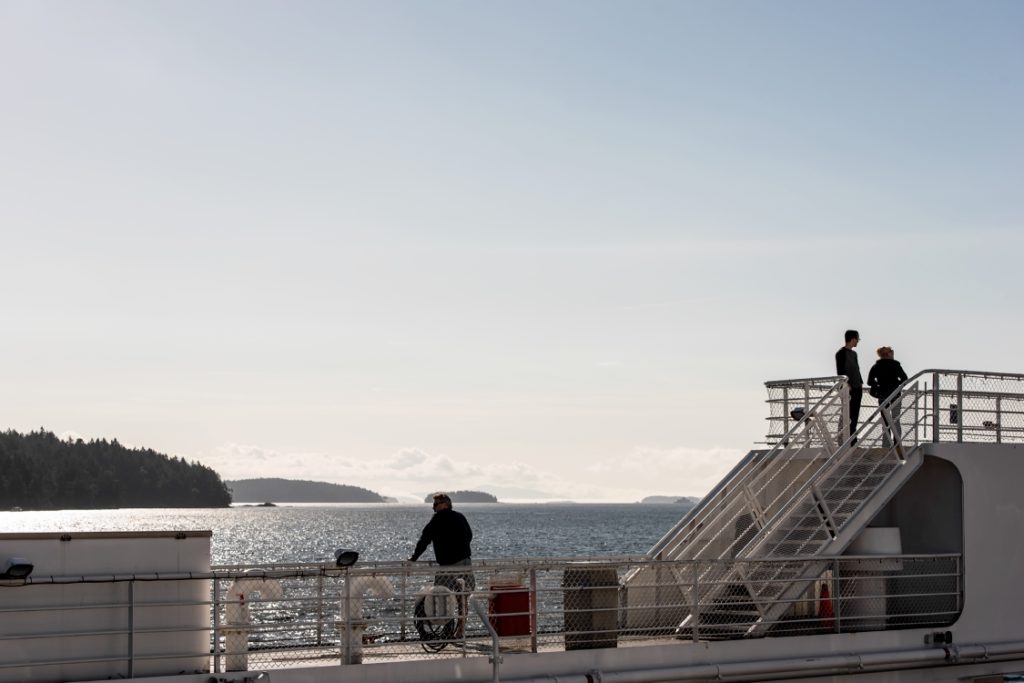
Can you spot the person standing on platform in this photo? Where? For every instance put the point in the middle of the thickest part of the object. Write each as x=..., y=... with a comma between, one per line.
x=846, y=364
x=884, y=378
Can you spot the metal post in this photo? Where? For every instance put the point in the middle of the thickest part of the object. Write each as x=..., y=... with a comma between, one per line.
x=807, y=406
x=403, y=591
x=844, y=422
x=463, y=610
x=837, y=610
x=319, y=610
x=999, y=419
x=785, y=412
x=347, y=644
x=216, y=626
x=131, y=629
x=935, y=407
x=959, y=585
x=695, y=607
x=961, y=413
x=917, y=416
x=533, y=609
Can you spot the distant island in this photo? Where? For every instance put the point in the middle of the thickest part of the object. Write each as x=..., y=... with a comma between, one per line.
x=681, y=500
x=299, y=491
x=39, y=471
x=466, y=497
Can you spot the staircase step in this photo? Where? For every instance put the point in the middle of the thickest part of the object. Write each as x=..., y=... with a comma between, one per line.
x=720, y=616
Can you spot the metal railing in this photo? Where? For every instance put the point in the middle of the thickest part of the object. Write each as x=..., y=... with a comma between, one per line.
x=942, y=405
x=817, y=486
x=733, y=513
x=305, y=615
x=807, y=423
x=790, y=398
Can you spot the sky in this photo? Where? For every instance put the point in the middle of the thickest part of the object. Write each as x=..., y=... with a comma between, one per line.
x=550, y=250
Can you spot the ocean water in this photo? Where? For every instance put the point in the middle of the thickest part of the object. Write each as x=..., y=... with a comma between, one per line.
x=380, y=532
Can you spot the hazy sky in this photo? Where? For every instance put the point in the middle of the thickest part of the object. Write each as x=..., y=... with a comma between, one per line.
x=540, y=248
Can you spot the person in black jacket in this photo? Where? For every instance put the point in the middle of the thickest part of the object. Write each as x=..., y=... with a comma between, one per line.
x=884, y=378
x=450, y=534
x=846, y=364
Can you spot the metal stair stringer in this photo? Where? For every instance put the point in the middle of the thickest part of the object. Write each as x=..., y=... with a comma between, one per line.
x=796, y=574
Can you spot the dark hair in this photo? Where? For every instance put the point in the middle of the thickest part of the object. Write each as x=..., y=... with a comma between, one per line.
x=442, y=498
x=852, y=334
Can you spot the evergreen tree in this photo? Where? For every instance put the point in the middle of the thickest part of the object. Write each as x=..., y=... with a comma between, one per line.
x=38, y=471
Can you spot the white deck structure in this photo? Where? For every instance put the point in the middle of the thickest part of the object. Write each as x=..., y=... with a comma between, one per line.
x=891, y=555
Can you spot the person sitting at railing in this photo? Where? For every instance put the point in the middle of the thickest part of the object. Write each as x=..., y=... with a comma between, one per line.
x=884, y=378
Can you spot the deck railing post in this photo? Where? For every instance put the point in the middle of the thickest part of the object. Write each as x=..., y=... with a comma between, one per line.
x=837, y=598
x=999, y=419
x=916, y=416
x=807, y=406
x=695, y=609
x=844, y=421
x=785, y=413
x=346, y=649
x=131, y=629
x=533, y=609
x=961, y=414
x=935, y=407
x=959, y=585
x=216, y=625
x=403, y=584
x=319, y=610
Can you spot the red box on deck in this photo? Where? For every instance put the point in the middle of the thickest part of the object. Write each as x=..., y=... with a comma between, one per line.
x=510, y=610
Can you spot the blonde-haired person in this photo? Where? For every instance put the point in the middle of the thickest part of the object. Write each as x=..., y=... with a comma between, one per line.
x=884, y=378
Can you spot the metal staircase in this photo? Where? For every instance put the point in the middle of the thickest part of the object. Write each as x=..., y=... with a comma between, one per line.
x=801, y=503
x=744, y=561
x=818, y=525
x=763, y=481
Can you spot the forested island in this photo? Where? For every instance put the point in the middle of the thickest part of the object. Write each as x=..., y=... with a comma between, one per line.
x=39, y=471
x=299, y=491
x=466, y=497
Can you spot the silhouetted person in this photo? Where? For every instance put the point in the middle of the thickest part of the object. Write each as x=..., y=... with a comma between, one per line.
x=846, y=364
x=884, y=378
x=451, y=535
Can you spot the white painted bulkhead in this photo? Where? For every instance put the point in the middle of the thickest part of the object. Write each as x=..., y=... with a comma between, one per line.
x=95, y=624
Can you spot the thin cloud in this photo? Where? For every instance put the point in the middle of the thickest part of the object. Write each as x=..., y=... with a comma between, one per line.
x=412, y=471
x=668, y=471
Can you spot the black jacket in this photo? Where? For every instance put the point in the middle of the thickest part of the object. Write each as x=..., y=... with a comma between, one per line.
x=846, y=364
x=449, y=531
x=886, y=374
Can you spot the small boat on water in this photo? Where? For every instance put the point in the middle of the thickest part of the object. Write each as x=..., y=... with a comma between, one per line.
x=892, y=554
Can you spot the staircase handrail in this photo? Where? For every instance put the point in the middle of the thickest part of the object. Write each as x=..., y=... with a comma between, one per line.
x=844, y=451
x=801, y=398
x=740, y=474
x=951, y=390
x=872, y=421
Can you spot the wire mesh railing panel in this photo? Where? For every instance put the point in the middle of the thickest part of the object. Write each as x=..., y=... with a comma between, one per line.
x=321, y=615
x=787, y=399
x=543, y=605
x=724, y=600
x=963, y=406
